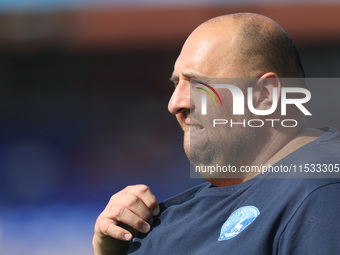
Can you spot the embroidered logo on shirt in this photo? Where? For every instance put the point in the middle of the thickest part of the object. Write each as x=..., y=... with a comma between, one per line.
x=238, y=221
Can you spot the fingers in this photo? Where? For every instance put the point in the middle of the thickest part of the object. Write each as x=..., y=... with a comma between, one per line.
x=120, y=213
x=144, y=195
x=127, y=211
x=111, y=228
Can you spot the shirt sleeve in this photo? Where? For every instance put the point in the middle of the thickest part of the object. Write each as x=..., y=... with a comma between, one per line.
x=315, y=227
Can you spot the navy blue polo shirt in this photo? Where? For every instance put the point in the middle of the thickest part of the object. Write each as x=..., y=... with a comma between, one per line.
x=261, y=216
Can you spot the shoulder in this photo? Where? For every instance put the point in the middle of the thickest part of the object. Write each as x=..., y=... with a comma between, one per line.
x=320, y=194
x=313, y=228
x=317, y=159
x=330, y=142
x=327, y=146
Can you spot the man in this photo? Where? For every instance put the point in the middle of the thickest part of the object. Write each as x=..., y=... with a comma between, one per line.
x=242, y=212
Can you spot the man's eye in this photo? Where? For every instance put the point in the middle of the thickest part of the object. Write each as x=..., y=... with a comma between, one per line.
x=199, y=84
x=175, y=83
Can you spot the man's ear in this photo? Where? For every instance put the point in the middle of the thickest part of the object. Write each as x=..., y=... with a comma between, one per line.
x=266, y=90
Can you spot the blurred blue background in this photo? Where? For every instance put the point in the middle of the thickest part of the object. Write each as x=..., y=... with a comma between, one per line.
x=83, y=105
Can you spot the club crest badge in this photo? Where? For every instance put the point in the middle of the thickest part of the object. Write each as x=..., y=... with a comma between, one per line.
x=238, y=221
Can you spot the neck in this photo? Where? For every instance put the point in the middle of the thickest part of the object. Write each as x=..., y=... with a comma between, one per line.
x=304, y=137
x=278, y=148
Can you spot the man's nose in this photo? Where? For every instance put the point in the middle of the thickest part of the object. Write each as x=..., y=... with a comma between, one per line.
x=180, y=99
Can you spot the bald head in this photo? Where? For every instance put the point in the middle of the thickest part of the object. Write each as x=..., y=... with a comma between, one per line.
x=258, y=43
x=233, y=47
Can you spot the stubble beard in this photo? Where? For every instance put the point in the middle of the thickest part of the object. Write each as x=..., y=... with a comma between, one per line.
x=235, y=150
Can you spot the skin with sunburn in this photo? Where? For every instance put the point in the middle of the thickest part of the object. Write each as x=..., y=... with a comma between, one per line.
x=224, y=47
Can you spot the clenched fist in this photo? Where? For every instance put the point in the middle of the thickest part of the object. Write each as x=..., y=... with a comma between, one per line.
x=128, y=212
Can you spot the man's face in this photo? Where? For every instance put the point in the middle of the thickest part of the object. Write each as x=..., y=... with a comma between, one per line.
x=201, y=57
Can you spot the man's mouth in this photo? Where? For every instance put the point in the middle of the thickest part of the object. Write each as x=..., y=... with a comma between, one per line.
x=194, y=128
